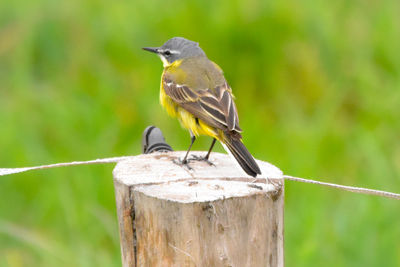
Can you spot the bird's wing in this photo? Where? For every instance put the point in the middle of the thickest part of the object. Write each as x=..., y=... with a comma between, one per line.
x=214, y=106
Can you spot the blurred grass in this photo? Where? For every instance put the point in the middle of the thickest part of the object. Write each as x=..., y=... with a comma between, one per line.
x=317, y=86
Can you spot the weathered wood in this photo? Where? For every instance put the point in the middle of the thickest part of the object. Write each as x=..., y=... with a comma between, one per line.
x=125, y=221
x=210, y=216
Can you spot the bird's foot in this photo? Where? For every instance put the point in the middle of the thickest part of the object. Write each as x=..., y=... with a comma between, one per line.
x=182, y=163
x=199, y=158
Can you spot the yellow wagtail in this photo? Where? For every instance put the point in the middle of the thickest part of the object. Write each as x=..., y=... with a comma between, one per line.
x=194, y=89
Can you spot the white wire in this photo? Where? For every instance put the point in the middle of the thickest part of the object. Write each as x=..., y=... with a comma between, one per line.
x=6, y=171
x=359, y=190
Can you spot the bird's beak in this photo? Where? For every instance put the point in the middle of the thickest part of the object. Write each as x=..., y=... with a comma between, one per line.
x=151, y=49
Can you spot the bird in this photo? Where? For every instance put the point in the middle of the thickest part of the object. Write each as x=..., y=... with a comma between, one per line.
x=195, y=91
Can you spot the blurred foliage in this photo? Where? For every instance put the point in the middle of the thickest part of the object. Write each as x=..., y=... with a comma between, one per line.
x=317, y=86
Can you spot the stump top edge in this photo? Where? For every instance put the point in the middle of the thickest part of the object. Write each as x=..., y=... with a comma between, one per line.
x=159, y=167
x=193, y=191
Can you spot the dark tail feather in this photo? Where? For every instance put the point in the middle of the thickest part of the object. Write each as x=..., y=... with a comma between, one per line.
x=242, y=155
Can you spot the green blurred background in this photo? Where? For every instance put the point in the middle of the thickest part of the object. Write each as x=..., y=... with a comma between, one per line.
x=318, y=92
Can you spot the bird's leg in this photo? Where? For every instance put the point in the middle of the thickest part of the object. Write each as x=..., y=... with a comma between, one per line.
x=185, y=161
x=211, y=147
x=194, y=157
x=192, y=138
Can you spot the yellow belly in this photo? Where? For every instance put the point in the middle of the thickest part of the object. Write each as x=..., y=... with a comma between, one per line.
x=186, y=119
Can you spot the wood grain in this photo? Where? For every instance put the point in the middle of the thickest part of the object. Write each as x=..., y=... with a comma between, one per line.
x=209, y=216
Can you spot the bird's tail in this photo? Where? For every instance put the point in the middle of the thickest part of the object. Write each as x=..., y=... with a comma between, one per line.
x=241, y=154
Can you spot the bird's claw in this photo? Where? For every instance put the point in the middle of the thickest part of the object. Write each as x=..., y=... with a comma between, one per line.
x=199, y=158
x=182, y=163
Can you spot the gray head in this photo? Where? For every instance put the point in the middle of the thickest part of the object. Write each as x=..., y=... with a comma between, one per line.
x=176, y=48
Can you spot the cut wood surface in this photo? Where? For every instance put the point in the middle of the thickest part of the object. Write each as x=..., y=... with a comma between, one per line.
x=208, y=216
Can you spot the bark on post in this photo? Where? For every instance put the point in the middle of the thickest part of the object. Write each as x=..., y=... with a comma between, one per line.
x=210, y=216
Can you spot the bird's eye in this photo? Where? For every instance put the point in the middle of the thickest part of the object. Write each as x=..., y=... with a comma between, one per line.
x=167, y=53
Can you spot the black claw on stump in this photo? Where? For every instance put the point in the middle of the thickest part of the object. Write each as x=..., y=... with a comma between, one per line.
x=182, y=163
x=199, y=158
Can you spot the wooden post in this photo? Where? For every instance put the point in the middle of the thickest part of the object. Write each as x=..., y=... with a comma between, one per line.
x=210, y=216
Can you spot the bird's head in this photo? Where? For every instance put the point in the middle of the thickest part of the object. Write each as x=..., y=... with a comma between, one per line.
x=175, y=49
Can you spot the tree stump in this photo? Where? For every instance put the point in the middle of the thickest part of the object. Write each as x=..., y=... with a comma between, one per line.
x=208, y=216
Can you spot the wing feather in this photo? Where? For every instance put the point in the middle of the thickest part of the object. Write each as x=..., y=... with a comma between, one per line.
x=214, y=106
